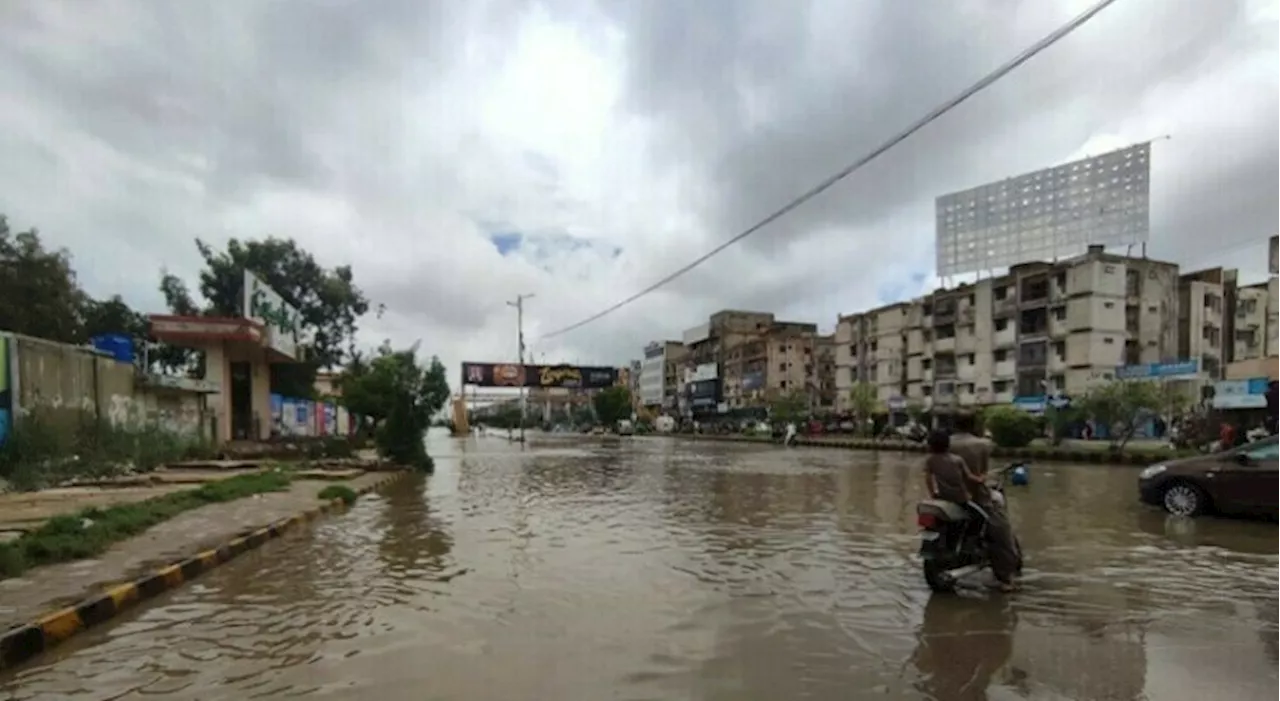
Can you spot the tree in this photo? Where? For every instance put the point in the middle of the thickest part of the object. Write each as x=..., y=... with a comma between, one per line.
x=367, y=386
x=864, y=400
x=612, y=404
x=789, y=407
x=1010, y=427
x=39, y=295
x=1121, y=405
x=328, y=300
x=395, y=391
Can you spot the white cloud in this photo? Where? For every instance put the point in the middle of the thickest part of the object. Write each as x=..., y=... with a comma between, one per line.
x=400, y=137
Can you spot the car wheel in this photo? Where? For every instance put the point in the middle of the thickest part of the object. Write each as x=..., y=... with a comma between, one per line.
x=1184, y=499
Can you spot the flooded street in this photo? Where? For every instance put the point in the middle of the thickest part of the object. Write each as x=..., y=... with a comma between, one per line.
x=664, y=569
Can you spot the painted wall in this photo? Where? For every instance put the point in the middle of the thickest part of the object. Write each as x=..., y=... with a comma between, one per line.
x=65, y=380
x=70, y=381
x=304, y=417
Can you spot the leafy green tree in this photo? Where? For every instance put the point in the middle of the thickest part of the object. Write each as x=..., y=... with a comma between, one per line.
x=1121, y=405
x=393, y=390
x=612, y=405
x=1011, y=427
x=39, y=294
x=328, y=300
x=864, y=400
x=789, y=407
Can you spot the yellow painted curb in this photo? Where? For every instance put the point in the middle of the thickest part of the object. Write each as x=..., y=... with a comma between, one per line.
x=23, y=642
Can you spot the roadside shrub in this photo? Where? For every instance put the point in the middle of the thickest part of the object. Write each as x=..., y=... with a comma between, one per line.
x=1011, y=427
x=47, y=448
x=338, y=491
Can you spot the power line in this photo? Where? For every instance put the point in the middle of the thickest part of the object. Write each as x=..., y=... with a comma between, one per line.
x=826, y=184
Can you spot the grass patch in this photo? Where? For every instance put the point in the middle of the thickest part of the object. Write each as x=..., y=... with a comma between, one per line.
x=90, y=532
x=338, y=491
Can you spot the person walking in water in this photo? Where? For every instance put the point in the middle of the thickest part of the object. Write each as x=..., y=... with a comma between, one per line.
x=790, y=436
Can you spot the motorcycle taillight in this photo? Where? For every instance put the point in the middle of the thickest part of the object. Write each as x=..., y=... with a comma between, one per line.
x=927, y=521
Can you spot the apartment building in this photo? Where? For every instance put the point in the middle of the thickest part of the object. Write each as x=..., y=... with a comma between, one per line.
x=720, y=342
x=1043, y=328
x=824, y=351
x=1205, y=324
x=776, y=357
x=1254, y=322
x=659, y=374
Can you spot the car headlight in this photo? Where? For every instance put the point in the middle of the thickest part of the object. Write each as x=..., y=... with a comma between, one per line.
x=1151, y=472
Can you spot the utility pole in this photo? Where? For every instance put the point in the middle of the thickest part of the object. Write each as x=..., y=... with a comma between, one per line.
x=519, y=305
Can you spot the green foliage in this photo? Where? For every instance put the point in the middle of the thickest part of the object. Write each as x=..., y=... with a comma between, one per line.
x=789, y=407
x=612, y=404
x=90, y=532
x=864, y=400
x=1122, y=404
x=338, y=491
x=1060, y=420
x=39, y=294
x=331, y=447
x=1011, y=427
x=400, y=398
x=48, y=447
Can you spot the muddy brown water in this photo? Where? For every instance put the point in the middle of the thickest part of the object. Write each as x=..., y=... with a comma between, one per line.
x=663, y=569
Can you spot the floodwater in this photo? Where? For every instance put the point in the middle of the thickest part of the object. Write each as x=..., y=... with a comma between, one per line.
x=648, y=568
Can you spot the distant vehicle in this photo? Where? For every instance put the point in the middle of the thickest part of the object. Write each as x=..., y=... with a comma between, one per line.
x=664, y=424
x=1237, y=482
x=625, y=428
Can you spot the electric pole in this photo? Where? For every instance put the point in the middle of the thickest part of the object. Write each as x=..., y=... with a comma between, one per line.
x=519, y=305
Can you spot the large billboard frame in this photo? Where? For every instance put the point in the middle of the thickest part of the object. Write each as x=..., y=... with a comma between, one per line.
x=514, y=375
x=1046, y=214
x=281, y=319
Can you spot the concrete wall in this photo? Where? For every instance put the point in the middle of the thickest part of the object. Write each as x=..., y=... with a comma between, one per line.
x=67, y=383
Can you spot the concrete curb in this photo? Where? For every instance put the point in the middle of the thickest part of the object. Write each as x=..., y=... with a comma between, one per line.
x=1097, y=457
x=23, y=642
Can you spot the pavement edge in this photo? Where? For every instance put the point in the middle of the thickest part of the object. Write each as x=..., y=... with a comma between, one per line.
x=23, y=642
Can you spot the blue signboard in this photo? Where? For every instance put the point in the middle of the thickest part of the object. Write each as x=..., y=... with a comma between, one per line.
x=302, y=413
x=1182, y=369
x=752, y=380
x=1036, y=403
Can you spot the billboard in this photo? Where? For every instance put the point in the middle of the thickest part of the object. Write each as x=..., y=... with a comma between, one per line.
x=1240, y=394
x=752, y=380
x=705, y=371
x=1178, y=370
x=1046, y=214
x=701, y=332
x=282, y=321
x=704, y=393
x=515, y=375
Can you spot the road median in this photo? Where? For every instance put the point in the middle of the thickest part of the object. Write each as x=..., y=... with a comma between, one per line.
x=51, y=603
x=1101, y=456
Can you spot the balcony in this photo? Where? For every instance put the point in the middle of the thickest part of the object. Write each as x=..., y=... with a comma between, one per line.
x=1004, y=368
x=1005, y=338
x=944, y=345
x=1004, y=308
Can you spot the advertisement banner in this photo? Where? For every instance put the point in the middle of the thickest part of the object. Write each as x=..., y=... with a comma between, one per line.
x=1180, y=370
x=705, y=371
x=704, y=393
x=752, y=380
x=1240, y=394
x=283, y=323
x=6, y=396
x=544, y=376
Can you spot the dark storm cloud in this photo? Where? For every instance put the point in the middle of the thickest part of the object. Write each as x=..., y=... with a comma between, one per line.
x=705, y=70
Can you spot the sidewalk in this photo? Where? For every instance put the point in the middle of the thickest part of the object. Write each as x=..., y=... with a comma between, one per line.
x=26, y=598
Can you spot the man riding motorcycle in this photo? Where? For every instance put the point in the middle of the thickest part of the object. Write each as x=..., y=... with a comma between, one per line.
x=1002, y=546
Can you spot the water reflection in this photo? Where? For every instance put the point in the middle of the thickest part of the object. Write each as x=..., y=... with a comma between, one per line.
x=962, y=645
x=643, y=569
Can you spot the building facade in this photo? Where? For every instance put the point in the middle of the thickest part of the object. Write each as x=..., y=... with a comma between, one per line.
x=1041, y=329
x=659, y=373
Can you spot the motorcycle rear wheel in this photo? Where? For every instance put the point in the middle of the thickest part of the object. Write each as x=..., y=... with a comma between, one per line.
x=933, y=576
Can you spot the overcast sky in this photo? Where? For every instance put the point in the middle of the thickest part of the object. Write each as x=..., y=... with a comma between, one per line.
x=458, y=153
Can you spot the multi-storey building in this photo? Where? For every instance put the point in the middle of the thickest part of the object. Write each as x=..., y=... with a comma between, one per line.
x=659, y=373
x=1043, y=328
x=824, y=351
x=719, y=342
x=776, y=357
x=1205, y=324
x=1254, y=322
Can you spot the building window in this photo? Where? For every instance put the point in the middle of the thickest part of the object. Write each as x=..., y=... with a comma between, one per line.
x=1002, y=324
x=1001, y=356
x=1109, y=305
x=1108, y=340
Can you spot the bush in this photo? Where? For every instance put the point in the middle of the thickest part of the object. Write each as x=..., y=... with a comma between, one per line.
x=47, y=448
x=1011, y=427
x=338, y=491
x=331, y=447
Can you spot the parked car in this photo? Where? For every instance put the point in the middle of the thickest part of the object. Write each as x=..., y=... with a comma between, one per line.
x=625, y=428
x=1241, y=481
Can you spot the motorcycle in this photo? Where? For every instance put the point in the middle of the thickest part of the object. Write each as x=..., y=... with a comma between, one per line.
x=952, y=543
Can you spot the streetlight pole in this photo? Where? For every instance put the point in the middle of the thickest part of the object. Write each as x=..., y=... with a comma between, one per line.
x=519, y=305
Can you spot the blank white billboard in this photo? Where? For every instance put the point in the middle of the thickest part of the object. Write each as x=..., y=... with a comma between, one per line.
x=1051, y=213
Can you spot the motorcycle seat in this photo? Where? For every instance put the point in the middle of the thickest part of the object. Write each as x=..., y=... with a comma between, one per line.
x=947, y=510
